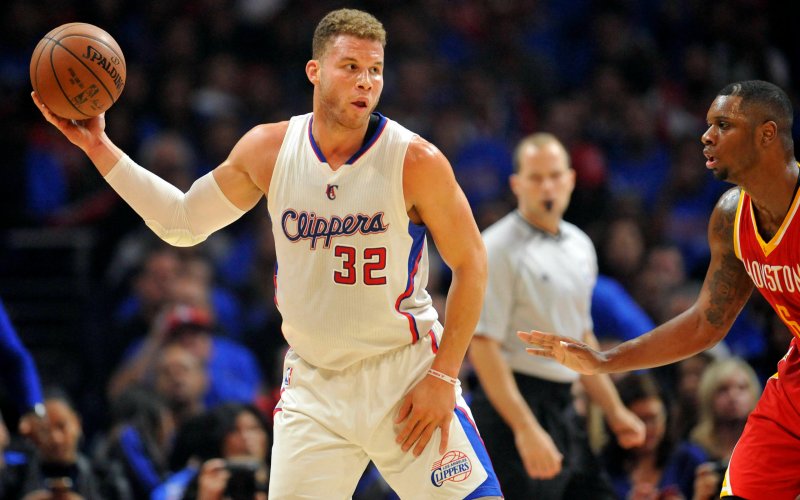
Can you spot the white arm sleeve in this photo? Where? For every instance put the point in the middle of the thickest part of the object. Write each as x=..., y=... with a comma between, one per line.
x=180, y=219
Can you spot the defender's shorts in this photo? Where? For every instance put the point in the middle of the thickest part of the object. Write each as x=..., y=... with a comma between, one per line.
x=765, y=461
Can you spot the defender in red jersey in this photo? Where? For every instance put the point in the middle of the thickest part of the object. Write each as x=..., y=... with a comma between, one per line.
x=754, y=235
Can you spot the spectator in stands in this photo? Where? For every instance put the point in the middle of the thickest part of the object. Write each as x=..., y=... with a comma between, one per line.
x=192, y=444
x=234, y=374
x=644, y=471
x=622, y=249
x=685, y=403
x=232, y=370
x=197, y=285
x=59, y=461
x=14, y=465
x=150, y=293
x=181, y=378
x=142, y=428
x=728, y=392
x=19, y=378
x=242, y=463
x=234, y=434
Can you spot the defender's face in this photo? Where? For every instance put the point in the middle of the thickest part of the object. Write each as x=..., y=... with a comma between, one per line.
x=348, y=79
x=543, y=186
x=729, y=142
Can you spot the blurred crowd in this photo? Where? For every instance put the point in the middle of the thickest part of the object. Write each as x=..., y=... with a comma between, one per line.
x=186, y=366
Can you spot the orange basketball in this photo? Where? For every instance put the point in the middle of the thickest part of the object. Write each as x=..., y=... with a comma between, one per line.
x=78, y=71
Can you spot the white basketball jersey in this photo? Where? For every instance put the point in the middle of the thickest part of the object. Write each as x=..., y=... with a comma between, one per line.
x=351, y=267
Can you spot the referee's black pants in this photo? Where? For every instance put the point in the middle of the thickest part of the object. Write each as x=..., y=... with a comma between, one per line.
x=551, y=402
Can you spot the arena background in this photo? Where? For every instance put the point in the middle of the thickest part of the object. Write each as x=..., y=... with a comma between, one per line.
x=625, y=84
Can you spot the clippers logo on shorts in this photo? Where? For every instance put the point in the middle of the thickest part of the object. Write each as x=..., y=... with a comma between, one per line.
x=330, y=191
x=310, y=226
x=454, y=466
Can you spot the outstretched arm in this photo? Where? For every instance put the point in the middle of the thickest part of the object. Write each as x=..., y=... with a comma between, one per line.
x=725, y=291
x=434, y=198
x=214, y=201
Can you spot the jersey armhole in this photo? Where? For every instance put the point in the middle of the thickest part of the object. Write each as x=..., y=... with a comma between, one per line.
x=737, y=221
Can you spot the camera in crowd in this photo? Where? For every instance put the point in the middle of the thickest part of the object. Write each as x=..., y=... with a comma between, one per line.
x=247, y=477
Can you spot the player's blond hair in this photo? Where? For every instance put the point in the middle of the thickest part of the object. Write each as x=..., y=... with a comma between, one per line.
x=353, y=22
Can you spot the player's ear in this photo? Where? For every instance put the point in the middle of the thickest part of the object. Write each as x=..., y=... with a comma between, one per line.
x=769, y=132
x=312, y=71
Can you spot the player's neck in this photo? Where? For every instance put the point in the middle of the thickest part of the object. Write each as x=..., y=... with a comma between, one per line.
x=773, y=195
x=337, y=143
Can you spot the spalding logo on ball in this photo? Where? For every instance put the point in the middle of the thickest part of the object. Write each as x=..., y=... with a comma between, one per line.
x=78, y=71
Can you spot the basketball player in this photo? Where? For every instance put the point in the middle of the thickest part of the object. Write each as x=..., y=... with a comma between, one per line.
x=542, y=270
x=371, y=373
x=754, y=235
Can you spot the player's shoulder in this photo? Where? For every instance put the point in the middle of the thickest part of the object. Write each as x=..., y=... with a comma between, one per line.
x=723, y=217
x=421, y=151
x=259, y=144
x=267, y=134
x=729, y=201
x=727, y=205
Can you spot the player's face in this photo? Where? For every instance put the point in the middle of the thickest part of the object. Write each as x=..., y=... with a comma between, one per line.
x=349, y=79
x=544, y=183
x=729, y=142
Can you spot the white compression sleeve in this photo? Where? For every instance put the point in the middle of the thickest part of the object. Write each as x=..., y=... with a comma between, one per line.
x=180, y=219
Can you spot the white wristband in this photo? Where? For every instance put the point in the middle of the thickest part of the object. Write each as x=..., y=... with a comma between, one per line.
x=443, y=376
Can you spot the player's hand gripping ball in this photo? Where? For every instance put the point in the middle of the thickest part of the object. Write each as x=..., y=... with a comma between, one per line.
x=78, y=71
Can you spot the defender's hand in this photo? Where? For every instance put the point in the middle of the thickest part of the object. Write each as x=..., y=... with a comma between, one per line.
x=567, y=351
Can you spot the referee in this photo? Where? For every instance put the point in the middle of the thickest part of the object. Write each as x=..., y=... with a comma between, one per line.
x=542, y=270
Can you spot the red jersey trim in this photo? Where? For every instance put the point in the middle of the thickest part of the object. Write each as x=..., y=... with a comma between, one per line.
x=768, y=247
x=737, y=221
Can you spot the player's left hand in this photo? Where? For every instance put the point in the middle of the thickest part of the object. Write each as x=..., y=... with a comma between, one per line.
x=428, y=405
x=627, y=427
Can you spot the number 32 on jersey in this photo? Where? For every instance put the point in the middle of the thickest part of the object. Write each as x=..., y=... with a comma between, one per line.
x=367, y=266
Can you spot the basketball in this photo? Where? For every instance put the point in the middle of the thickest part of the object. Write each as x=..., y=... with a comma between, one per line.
x=78, y=71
